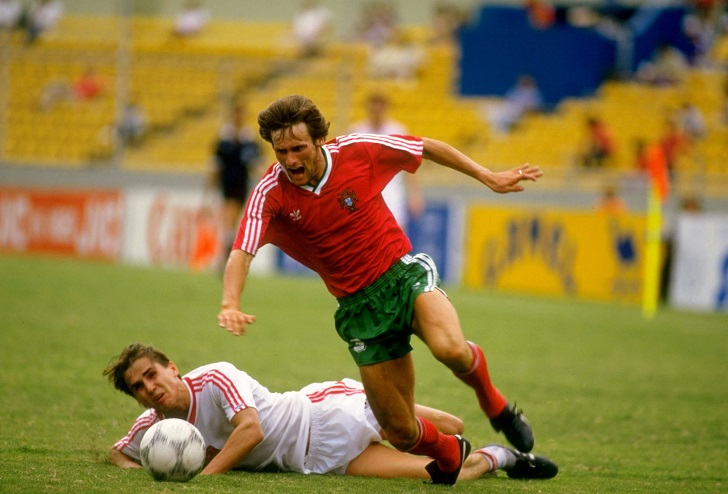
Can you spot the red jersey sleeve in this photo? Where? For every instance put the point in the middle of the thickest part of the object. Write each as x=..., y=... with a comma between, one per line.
x=262, y=206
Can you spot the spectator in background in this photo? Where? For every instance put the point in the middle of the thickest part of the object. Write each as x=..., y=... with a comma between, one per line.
x=447, y=21
x=702, y=35
x=133, y=126
x=598, y=145
x=610, y=202
x=11, y=13
x=237, y=154
x=312, y=27
x=692, y=121
x=42, y=16
x=399, y=59
x=88, y=86
x=192, y=19
x=641, y=158
x=523, y=98
x=403, y=194
x=377, y=24
x=541, y=13
x=668, y=66
x=675, y=143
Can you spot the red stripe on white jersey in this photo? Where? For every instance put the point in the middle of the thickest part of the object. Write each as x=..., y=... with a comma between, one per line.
x=142, y=423
x=336, y=389
x=222, y=382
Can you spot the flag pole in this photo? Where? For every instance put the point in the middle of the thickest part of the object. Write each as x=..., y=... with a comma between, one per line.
x=651, y=287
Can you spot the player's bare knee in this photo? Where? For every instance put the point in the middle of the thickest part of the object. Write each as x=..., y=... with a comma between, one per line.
x=457, y=357
x=402, y=438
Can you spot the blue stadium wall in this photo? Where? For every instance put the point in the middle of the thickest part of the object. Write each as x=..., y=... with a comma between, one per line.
x=566, y=61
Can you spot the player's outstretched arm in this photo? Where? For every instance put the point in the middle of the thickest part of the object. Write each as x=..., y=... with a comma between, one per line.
x=236, y=272
x=501, y=182
x=121, y=460
x=246, y=436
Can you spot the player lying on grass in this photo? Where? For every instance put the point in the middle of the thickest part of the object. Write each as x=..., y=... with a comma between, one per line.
x=323, y=428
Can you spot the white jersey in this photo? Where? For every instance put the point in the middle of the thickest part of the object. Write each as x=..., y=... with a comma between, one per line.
x=297, y=436
x=395, y=193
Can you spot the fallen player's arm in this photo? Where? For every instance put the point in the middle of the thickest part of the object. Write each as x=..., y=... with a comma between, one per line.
x=121, y=460
x=246, y=436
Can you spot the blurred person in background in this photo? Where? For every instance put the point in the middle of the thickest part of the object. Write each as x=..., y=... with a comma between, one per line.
x=675, y=143
x=403, y=194
x=610, y=202
x=523, y=98
x=88, y=86
x=192, y=19
x=11, y=13
x=447, y=21
x=667, y=67
x=691, y=119
x=400, y=58
x=321, y=204
x=377, y=23
x=312, y=27
x=236, y=157
x=42, y=16
x=701, y=26
x=597, y=145
x=541, y=13
x=133, y=125
x=324, y=428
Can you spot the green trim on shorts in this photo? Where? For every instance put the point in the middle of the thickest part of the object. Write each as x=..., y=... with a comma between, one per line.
x=376, y=321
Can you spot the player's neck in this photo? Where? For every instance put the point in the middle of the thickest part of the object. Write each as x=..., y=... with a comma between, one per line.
x=320, y=168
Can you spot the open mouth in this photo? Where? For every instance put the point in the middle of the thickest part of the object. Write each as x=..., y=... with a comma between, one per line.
x=297, y=172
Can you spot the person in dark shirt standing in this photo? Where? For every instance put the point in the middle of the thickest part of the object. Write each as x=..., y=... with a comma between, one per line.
x=236, y=155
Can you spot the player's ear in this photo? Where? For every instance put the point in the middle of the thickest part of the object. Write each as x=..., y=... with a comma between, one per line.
x=173, y=368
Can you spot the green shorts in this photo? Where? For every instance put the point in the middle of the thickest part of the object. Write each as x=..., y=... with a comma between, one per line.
x=376, y=321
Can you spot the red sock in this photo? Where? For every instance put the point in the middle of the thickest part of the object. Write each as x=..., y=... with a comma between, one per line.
x=491, y=400
x=444, y=449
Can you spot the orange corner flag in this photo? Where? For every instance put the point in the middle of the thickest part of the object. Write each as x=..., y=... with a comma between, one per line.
x=657, y=169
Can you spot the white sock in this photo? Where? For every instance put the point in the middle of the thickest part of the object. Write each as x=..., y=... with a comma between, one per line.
x=498, y=457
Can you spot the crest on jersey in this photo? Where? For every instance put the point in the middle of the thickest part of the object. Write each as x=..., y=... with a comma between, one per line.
x=348, y=200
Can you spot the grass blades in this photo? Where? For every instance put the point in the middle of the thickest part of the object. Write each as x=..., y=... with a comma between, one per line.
x=622, y=404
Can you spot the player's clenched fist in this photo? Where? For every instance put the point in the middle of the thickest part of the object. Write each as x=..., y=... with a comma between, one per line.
x=234, y=321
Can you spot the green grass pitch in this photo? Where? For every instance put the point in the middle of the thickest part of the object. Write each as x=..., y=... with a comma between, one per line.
x=623, y=405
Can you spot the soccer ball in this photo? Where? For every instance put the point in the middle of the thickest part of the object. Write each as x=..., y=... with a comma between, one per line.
x=173, y=450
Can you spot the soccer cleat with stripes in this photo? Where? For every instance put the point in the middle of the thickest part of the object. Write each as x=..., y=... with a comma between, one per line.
x=515, y=426
x=449, y=478
x=530, y=466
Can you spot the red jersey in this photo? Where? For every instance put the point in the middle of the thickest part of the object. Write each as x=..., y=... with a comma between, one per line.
x=342, y=229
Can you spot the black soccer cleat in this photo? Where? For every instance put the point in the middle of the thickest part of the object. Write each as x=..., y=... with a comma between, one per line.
x=515, y=426
x=530, y=466
x=449, y=478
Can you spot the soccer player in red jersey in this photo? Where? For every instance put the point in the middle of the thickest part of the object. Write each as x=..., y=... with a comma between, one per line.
x=321, y=204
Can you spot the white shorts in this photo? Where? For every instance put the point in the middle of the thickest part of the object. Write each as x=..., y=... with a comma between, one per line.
x=342, y=425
